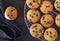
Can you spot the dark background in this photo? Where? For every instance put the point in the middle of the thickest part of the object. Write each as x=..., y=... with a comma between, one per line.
x=19, y=5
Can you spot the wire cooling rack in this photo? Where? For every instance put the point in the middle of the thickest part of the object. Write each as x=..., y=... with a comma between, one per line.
x=54, y=25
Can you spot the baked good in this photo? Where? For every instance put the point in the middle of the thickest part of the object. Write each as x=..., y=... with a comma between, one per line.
x=33, y=15
x=36, y=30
x=50, y=34
x=33, y=3
x=57, y=5
x=46, y=7
x=11, y=13
x=57, y=20
x=47, y=20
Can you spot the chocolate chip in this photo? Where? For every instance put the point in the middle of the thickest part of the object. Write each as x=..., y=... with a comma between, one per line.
x=33, y=6
x=38, y=3
x=45, y=21
x=30, y=3
x=37, y=15
x=40, y=30
x=35, y=1
x=54, y=35
x=33, y=31
x=47, y=6
x=34, y=13
x=35, y=9
x=46, y=31
x=7, y=15
x=48, y=11
x=30, y=20
x=36, y=35
x=41, y=2
x=43, y=18
x=58, y=19
x=11, y=15
x=36, y=31
x=11, y=10
x=29, y=15
x=50, y=36
x=11, y=18
x=35, y=26
x=48, y=22
x=56, y=2
x=58, y=7
x=32, y=16
x=50, y=32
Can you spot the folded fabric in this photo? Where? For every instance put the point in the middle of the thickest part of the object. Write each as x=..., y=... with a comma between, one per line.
x=8, y=30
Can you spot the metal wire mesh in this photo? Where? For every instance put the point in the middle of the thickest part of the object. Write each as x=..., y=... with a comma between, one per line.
x=29, y=23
